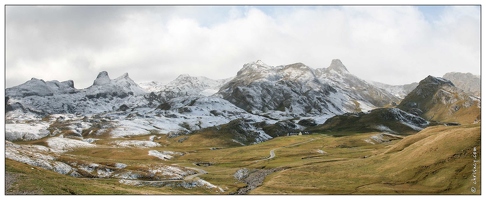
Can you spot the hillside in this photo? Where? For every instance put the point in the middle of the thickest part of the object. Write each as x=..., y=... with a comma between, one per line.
x=436, y=160
x=390, y=120
x=438, y=99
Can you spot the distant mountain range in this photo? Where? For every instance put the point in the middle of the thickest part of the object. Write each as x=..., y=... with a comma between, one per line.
x=263, y=101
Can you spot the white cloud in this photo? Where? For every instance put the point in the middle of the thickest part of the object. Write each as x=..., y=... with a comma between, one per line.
x=394, y=44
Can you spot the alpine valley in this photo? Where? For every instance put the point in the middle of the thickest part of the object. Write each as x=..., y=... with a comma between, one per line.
x=287, y=129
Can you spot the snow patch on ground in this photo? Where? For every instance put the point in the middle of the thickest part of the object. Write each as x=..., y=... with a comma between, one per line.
x=132, y=127
x=135, y=143
x=172, y=172
x=66, y=144
x=164, y=155
x=365, y=106
x=384, y=129
x=34, y=155
x=414, y=127
x=238, y=142
x=32, y=131
x=320, y=151
x=369, y=141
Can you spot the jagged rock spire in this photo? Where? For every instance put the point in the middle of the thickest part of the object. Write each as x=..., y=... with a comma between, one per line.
x=102, y=78
x=338, y=66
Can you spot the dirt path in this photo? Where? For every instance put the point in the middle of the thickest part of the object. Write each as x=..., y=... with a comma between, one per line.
x=272, y=152
x=199, y=173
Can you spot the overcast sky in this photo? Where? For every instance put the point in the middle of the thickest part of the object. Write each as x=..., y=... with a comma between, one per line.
x=391, y=44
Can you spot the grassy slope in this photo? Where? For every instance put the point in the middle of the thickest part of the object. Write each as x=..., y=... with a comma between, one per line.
x=435, y=160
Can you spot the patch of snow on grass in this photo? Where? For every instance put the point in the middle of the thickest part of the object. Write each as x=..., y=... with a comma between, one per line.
x=321, y=151
x=238, y=142
x=384, y=129
x=34, y=155
x=66, y=144
x=416, y=128
x=136, y=143
x=33, y=131
x=120, y=165
x=164, y=155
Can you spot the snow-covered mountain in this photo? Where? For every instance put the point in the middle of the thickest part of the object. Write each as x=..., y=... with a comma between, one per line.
x=152, y=86
x=262, y=101
x=54, y=97
x=186, y=85
x=298, y=90
x=122, y=108
x=122, y=86
x=39, y=87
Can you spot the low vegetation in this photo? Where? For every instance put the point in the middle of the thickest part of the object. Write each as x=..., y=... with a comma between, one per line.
x=436, y=160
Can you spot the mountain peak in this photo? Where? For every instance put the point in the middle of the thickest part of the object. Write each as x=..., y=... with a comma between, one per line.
x=183, y=76
x=436, y=81
x=125, y=75
x=102, y=78
x=259, y=62
x=337, y=66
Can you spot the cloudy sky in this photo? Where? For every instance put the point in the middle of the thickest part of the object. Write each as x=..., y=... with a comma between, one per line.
x=389, y=44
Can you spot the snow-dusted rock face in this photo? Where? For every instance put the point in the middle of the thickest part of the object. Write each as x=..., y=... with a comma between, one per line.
x=53, y=97
x=39, y=87
x=361, y=95
x=292, y=89
x=102, y=79
x=298, y=90
x=183, y=86
x=122, y=87
x=152, y=86
x=256, y=99
x=466, y=81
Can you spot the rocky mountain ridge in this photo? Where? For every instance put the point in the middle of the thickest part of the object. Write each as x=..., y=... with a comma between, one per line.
x=271, y=100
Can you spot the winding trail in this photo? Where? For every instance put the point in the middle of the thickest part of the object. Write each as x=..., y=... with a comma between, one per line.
x=272, y=152
x=199, y=173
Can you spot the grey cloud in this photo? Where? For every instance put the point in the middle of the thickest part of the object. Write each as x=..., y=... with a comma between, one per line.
x=161, y=42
